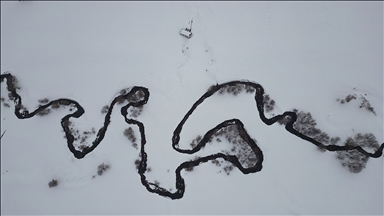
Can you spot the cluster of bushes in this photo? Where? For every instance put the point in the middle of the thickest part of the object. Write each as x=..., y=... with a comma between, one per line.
x=53, y=183
x=105, y=109
x=137, y=96
x=284, y=120
x=196, y=141
x=268, y=103
x=136, y=111
x=14, y=84
x=102, y=168
x=364, y=103
x=130, y=134
x=353, y=160
x=239, y=148
x=77, y=136
x=46, y=111
x=137, y=164
x=236, y=89
x=228, y=168
x=306, y=125
x=5, y=104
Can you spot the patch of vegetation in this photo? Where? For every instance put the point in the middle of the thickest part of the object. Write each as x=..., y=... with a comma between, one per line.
x=135, y=111
x=195, y=141
x=284, y=120
x=55, y=105
x=353, y=160
x=268, y=103
x=130, y=134
x=53, y=183
x=227, y=169
x=189, y=168
x=102, y=168
x=43, y=101
x=44, y=112
x=240, y=148
x=105, y=109
x=137, y=163
x=137, y=96
x=364, y=103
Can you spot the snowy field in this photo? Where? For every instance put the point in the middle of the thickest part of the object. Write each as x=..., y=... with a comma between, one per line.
x=306, y=55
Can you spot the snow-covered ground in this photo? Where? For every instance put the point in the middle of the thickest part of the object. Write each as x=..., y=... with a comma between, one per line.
x=304, y=54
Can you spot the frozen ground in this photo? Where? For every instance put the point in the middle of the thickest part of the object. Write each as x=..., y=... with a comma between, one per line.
x=305, y=55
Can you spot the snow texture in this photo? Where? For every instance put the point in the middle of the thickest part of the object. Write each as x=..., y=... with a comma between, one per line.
x=304, y=54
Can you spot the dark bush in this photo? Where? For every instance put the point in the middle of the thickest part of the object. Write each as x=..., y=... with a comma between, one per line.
x=189, y=168
x=102, y=168
x=130, y=134
x=53, y=183
x=44, y=112
x=353, y=160
x=82, y=147
x=43, y=101
x=350, y=97
x=284, y=120
x=365, y=103
x=137, y=163
x=227, y=169
x=10, y=96
x=123, y=91
x=105, y=109
x=249, y=89
x=55, y=105
x=136, y=111
x=268, y=103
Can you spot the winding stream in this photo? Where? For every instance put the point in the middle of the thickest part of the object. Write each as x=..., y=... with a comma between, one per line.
x=138, y=96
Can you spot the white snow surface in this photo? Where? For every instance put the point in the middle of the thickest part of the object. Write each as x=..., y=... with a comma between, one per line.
x=304, y=54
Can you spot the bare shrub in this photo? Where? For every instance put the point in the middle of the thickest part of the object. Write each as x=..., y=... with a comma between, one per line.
x=189, y=168
x=43, y=101
x=130, y=134
x=10, y=96
x=353, y=160
x=14, y=84
x=123, y=91
x=284, y=120
x=53, y=183
x=102, y=168
x=249, y=89
x=350, y=97
x=44, y=112
x=268, y=103
x=216, y=162
x=137, y=96
x=55, y=105
x=82, y=147
x=105, y=109
x=227, y=169
x=196, y=141
x=365, y=103
x=137, y=163
x=136, y=111
x=6, y=105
